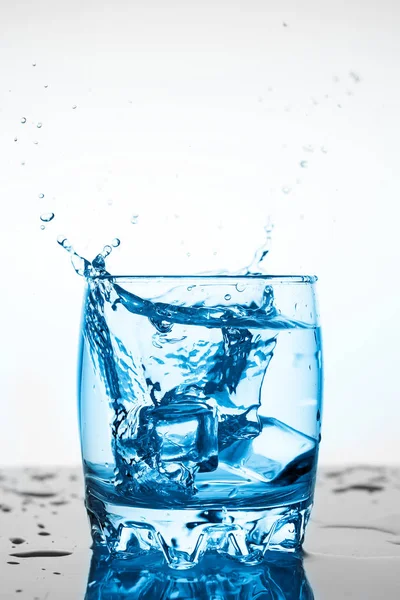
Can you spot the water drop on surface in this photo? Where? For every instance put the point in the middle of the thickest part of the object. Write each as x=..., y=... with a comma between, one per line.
x=23, y=120
x=304, y=164
x=227, y=296
x=39, y=125
x=134, y=219
x=47, y=217
x=116, y=242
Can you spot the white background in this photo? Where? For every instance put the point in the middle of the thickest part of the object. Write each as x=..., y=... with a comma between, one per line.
x=196, y=116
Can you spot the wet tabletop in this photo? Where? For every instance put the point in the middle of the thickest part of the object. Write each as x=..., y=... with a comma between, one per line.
x=352, y=547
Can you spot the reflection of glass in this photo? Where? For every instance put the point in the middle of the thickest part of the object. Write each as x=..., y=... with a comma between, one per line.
x=216, y=578
x=200, y=414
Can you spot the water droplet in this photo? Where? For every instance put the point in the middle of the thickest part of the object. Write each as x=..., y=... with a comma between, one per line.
x=355, y=77
x=64, y=242
x=304, y=164
x=116, y=242
x=46, y=86
x=109, y=202
x=47, y=217
x=39, y=125
x=41, y=195
x=23, y=163
x=74, y=106
x=240, y=287
x=188, y=254
x=15, y=139
x=106, y=250
x=308, y=148
x=106, y=464
x=42, y=227
x=190, y=287
x=23, y=120
x=134, y=219
x=323, y=149
x=227, y=296
x=36, y=142
x=286, y=190
x=33, y=64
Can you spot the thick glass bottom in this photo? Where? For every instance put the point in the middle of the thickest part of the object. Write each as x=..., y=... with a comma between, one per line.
x=184, y=536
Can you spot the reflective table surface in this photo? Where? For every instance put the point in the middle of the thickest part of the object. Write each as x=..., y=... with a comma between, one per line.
x=352, y=547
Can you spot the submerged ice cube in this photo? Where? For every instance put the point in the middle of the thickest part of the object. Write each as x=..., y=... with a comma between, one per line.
x=188, y=434
x=279, y=452
x=164, y=446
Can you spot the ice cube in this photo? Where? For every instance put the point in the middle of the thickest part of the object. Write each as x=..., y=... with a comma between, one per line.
x=187, y=434
x=278, y=452
x=162, y=447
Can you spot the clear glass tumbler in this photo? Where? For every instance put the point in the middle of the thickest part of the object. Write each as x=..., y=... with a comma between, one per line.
x=200, y=414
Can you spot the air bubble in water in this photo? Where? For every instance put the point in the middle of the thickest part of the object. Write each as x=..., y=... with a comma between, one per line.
x=134, y=219
x=39, y=125
x=23, y=120
x=240, y=287
x=116, y=242
x=41, y=195
x=227, y=296
x=304, y=164
x=46, y=217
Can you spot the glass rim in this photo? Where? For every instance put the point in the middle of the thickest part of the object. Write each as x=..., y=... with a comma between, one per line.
x=277, y=279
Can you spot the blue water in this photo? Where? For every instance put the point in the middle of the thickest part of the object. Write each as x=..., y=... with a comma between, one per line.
x=182, y=385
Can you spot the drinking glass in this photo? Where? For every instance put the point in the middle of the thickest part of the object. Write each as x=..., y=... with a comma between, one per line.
x=200, y=414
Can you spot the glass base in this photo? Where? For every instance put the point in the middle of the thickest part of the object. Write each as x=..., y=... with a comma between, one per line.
x=183, y=536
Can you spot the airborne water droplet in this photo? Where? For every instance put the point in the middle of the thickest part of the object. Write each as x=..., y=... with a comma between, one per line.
x=116, y=242
x=286, y=190
x=15, y=139
x=23, y=120
x=227, y=296
x=46, y=217
x=39, y=125
x=42, y=227
x=134, y=219
x=304, y=164
x=41, y=195
x=106, y=250
x=74, y=106
x=36, y=142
